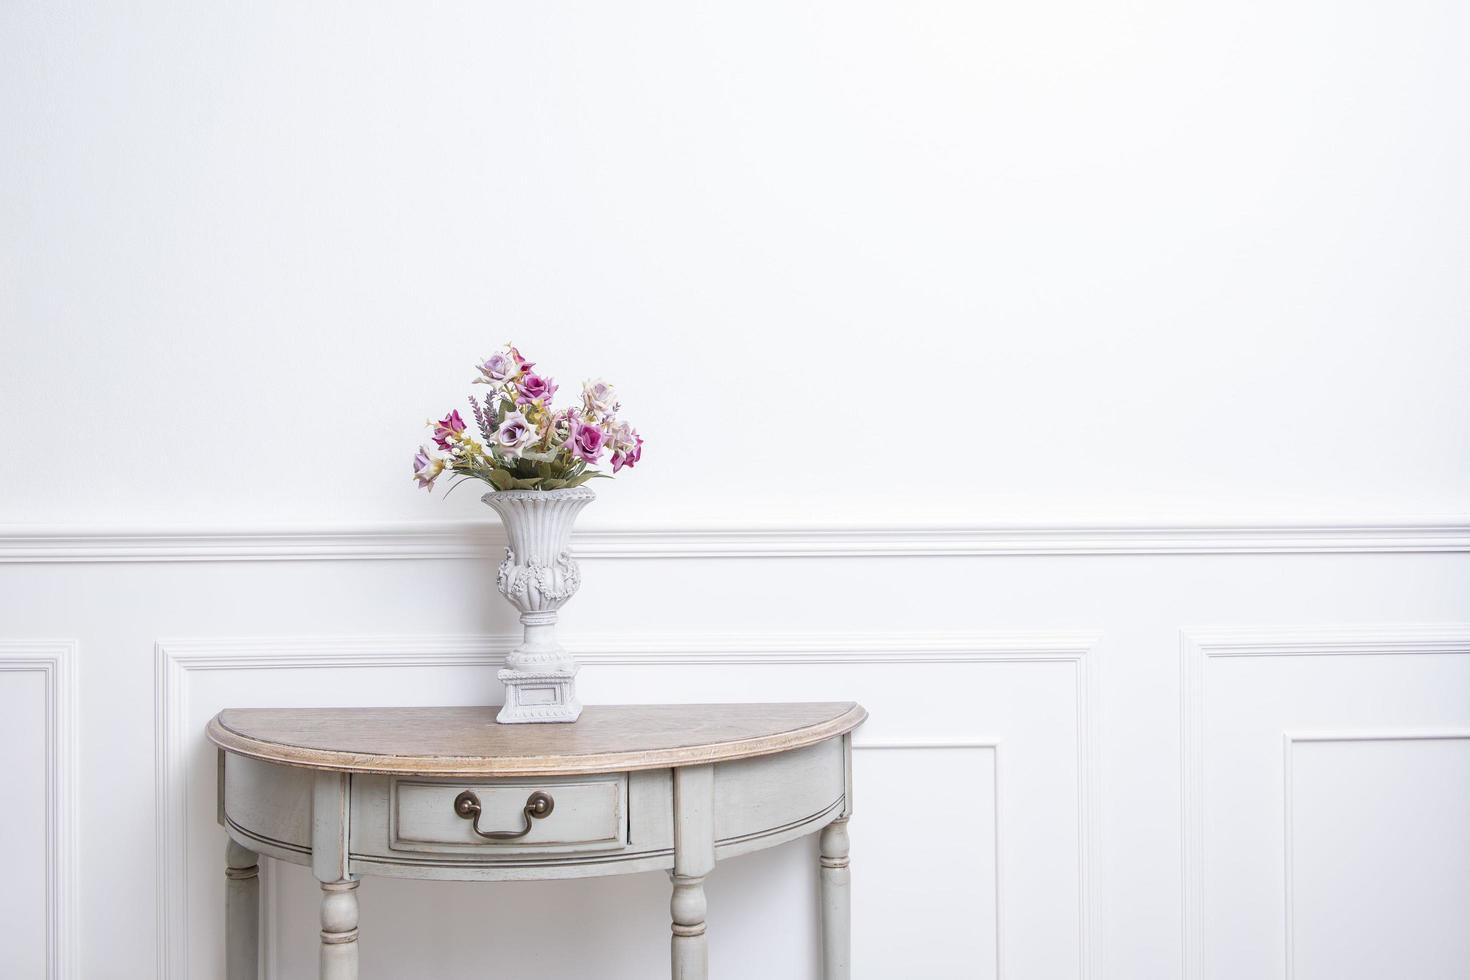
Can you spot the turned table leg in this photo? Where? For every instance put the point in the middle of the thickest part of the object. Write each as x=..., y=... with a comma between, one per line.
x=339, y=930
x=694, y=859
x=836, y=902
x=331, y=804
x=242, y=913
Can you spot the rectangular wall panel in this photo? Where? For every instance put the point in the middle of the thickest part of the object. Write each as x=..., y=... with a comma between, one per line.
x=1378, y=857
x=23, y=823
x=944, y=802
x=1245, y=690
x=38, y=767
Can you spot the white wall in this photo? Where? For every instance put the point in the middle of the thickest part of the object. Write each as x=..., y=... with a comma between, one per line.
x=1046, y=260
x=1195, y=270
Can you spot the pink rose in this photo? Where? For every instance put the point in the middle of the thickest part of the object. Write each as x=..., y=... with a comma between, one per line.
x=447, y=429
x=586, y=442
x=533, y=387
x=629, y=456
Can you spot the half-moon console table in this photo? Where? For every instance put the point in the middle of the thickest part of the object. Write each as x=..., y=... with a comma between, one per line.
x=446, y=793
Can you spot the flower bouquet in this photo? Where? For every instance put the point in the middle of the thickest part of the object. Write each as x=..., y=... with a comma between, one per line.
x=537, y=459
x=523, y=443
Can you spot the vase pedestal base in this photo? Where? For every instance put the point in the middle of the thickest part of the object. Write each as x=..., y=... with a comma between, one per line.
x=539, y=696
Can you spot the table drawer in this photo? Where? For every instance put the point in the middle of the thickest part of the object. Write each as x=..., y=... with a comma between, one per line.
x=583, y=814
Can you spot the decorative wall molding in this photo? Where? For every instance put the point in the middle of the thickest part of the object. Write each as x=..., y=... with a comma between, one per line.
x=176, y=659
x=1330, y=641
x=471, y=539
x=56, y=660
x=1291, y=740
x=1196, y=649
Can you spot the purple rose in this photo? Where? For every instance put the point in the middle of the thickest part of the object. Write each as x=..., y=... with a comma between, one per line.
x=586, y=442
x=497, y=368
x=426, y=470
x=533, y=387
x=515, y=434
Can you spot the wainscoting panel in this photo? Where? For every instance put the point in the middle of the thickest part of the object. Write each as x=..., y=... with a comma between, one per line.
x=1373, y=773
x=975, y=850
x=1378, y=855
x=1103, y=801
x=37, y=921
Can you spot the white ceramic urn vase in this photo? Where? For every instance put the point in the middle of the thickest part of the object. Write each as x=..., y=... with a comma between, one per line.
x=538, y=576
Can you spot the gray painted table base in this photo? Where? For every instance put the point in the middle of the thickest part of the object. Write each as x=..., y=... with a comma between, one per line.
x=445, y=793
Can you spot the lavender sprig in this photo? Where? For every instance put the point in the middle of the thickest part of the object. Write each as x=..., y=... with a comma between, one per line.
x=486, y=429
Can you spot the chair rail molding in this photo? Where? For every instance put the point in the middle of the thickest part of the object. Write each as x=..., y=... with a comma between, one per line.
x=176, y=659
x=56, y=661
x=1199, y=646
x=469, y=539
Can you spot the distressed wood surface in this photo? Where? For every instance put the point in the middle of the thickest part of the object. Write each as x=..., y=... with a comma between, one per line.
x=714, y=780
x=331, y=826
x=466, y=741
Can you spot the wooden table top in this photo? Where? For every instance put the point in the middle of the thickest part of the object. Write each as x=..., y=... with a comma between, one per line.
x=469, y=742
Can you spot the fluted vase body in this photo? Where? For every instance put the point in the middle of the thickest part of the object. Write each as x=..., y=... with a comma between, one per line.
x=538, y=576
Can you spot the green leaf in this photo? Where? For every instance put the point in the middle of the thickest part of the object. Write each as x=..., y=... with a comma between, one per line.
x=526, y=483
x=582, y=478
x=456, y=483
x=549, y=483
x=501, y=480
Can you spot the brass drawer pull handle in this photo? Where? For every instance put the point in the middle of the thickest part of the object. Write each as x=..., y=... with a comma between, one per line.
x=538, y=805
